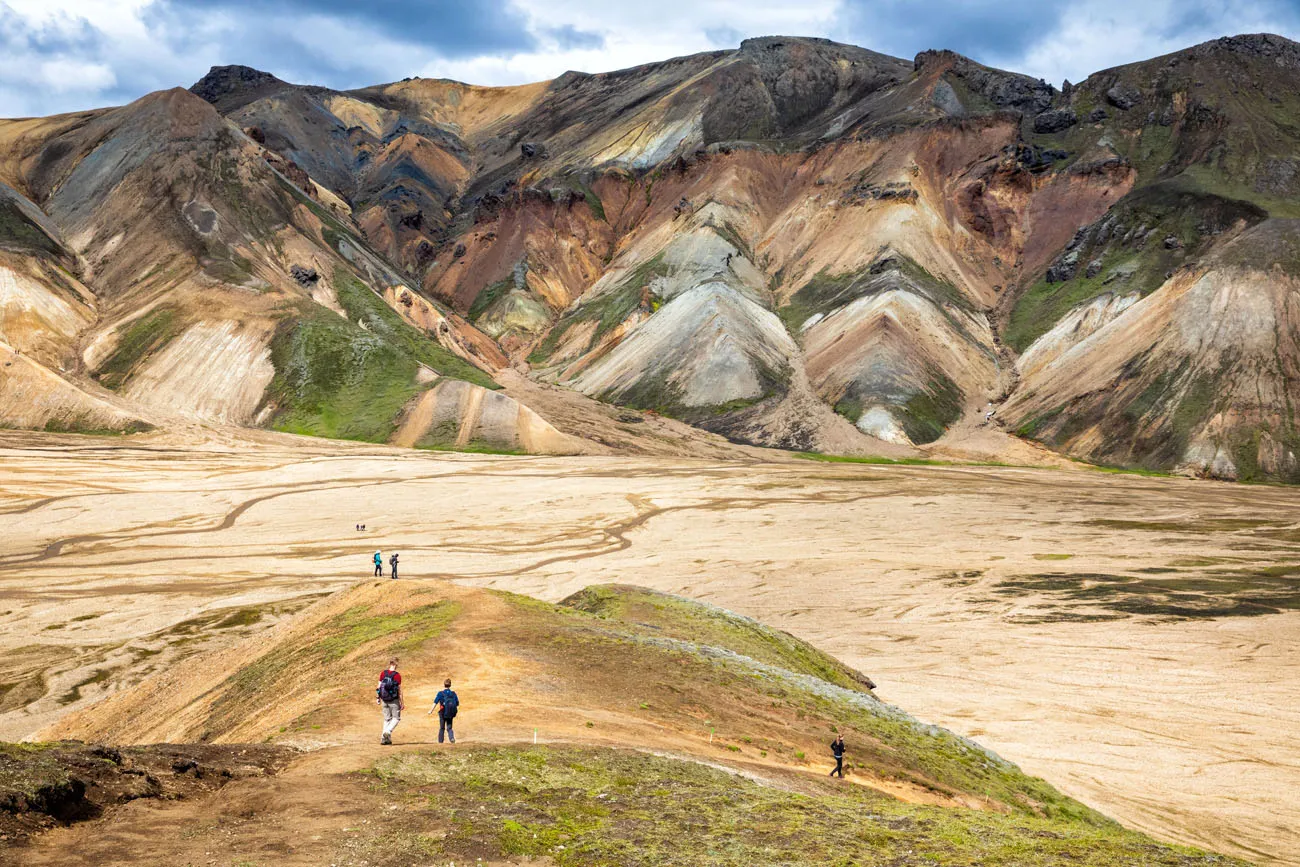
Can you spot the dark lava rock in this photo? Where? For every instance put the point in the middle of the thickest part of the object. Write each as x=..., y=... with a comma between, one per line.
x=532, y=150
x=1123, y=96
x=458, y=252
x=412, y=221
x=1003, y=89
x=1173, y=243
x=304, y=276
x=1036, y=158
x=1097, y=115
x=1064, y=268
x=1055, y=120
x=256, y=134
x=1094, y=268
x=222, y=82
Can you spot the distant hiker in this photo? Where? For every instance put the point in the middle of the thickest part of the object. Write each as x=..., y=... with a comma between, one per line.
x=389, y=696
x=446, y=703
x=379, y=565
x=837, y=750
x=392, y=561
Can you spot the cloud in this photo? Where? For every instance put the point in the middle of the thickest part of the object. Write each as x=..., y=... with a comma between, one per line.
x=451, y=28
x=62, y=55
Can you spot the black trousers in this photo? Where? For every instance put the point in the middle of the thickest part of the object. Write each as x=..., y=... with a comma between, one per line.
x=839, y=766
x=444, y=725
x=379, y=571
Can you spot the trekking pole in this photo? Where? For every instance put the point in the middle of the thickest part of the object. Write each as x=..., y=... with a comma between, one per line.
x=534, y=737
x=710, y=734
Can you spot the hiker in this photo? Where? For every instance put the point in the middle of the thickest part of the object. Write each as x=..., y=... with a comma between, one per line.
x=392, y=561
x=446, y=703
x=389, y=696
x=837, y=749
x=379, y=565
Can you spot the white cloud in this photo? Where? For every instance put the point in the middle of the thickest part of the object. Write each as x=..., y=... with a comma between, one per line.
x=636, y=33
x=60, y=55
x=1104, y=33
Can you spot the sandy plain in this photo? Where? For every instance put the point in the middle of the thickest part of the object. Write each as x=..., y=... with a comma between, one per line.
x=1132, y=640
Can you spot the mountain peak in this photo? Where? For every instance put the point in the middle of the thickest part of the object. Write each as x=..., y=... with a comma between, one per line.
x=224, y=85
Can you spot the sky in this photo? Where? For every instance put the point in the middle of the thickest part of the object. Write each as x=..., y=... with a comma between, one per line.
x=64, y=55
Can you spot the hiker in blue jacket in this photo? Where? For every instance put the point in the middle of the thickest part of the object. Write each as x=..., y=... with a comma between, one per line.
x=379, y=564
x=446, y=703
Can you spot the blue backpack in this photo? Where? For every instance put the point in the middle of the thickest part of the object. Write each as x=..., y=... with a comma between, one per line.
x=450, y=704
x=388, y=687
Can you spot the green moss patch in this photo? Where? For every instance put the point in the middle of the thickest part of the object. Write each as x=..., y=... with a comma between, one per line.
x=349, y=378
x=608, y=310
x=575, y=806
x=1136, y=245
x=825, y=292
x=1167, y=593
x=136, y=343
x=706, y=624
x=17, y=231
x=929, y=412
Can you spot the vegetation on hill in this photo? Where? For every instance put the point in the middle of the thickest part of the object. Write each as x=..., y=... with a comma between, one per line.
x=349, y=378
x=581, y=806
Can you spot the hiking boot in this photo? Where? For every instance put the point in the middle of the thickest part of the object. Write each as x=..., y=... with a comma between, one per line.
x=386, y=740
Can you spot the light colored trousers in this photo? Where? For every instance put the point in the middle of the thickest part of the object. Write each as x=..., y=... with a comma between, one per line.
x=392, y=716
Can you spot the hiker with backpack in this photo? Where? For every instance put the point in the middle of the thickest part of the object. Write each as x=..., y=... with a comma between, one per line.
x=389, y=696
x=379, y=564
x=837, y=750
x=446, y=703
x=392, y=561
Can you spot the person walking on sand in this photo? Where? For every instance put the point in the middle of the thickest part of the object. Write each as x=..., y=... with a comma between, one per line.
x=837, y=750
x=392, y=561
x=446, y=703
x=379, y=564
x=389, y=696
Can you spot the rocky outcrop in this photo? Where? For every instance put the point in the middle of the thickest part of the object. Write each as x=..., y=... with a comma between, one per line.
x=1056, y=120
x=1002, y=89
x=228, y=87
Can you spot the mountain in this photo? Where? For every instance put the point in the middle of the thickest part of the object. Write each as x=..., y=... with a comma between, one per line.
x=796, y=243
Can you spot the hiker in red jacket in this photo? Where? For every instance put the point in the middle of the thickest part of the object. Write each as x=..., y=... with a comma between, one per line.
x=389, y=696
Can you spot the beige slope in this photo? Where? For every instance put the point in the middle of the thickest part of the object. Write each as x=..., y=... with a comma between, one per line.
x=214, y=371
x=460, y=415
x=37, y=315
x=33, y=396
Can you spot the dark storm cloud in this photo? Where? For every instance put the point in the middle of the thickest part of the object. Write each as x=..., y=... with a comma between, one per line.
x=450, y=28
x=569, y=38
x=976, y=28
x=76, y=55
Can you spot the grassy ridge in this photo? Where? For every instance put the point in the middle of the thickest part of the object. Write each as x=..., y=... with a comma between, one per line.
x=705, y=624
x=756, y=708
x=576, y=806
x=279, y=670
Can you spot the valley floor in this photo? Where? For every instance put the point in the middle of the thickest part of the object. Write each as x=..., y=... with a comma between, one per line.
x=1129, y=639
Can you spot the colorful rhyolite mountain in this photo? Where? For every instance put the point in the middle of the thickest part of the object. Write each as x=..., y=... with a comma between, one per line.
x=796, y=244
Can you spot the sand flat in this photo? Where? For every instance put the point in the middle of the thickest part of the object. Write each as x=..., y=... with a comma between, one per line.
x=1129, y=639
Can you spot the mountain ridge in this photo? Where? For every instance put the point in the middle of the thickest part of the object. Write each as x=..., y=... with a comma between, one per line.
x=794, y=243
